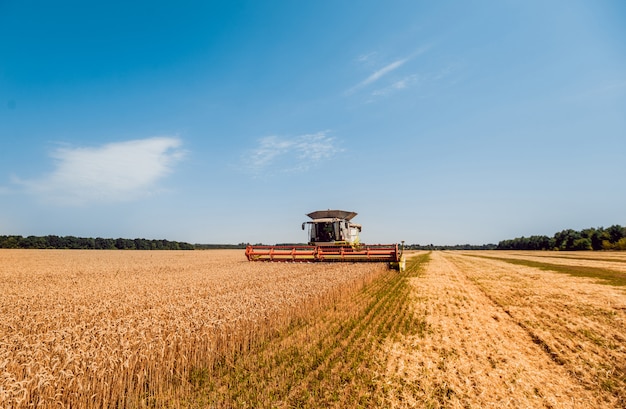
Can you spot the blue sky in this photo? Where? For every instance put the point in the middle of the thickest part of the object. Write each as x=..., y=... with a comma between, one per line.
x=223, y=122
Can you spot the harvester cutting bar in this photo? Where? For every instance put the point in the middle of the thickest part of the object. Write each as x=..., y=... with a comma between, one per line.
x=363, y=253
x=281, y=253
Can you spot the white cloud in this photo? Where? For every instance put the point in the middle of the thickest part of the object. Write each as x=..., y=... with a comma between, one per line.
x=377, y=75
x=426, y=82
x=366, y=58
x=383, y=71
x=386, y=70
x=295, y=154
x=114, y=172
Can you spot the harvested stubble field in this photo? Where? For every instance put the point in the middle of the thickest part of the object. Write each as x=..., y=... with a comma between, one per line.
x=208, y=329
x=501, y=334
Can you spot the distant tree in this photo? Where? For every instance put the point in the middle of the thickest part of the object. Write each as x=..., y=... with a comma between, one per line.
x=581, y=244
x=33, y=242
x=124, y=244
x=607, y=245
x=142, y=244
x=10, y=242
x=615, y=233
x=596, y=236
x=613, y=238
x=564, y=240
x=87, y=243
x=104, y=244
x=55, y=242
x=71, y=242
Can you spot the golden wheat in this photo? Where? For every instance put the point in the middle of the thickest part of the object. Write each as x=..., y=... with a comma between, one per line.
x=115, y=328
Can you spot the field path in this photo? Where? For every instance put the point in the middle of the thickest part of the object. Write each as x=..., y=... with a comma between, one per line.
x=473, y=351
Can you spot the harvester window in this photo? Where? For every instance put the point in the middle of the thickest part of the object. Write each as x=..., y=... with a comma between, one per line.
x=325, y=232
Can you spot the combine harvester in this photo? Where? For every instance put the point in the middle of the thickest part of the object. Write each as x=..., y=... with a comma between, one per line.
x=332, y=238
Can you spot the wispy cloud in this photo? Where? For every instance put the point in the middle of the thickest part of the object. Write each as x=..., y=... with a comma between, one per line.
x=386, y=70
x=297, y=154
x=114, y=172
x=383, y=71
x=378, y=75
x=365, y=58
x=428, y=82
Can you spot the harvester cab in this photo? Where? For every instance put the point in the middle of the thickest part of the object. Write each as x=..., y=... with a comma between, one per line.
x=332, y=228
x=332, y=238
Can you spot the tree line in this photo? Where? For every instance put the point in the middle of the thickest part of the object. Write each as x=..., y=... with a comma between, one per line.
x=611, y=238
x=89, y=243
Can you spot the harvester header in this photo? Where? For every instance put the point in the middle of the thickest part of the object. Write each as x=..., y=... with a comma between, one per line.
x=332, y=238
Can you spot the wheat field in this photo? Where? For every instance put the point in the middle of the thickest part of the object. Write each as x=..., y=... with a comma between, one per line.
x=195, y=329
x=118, y=328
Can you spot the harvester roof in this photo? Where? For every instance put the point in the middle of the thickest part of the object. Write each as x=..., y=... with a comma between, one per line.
x=331, y=214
